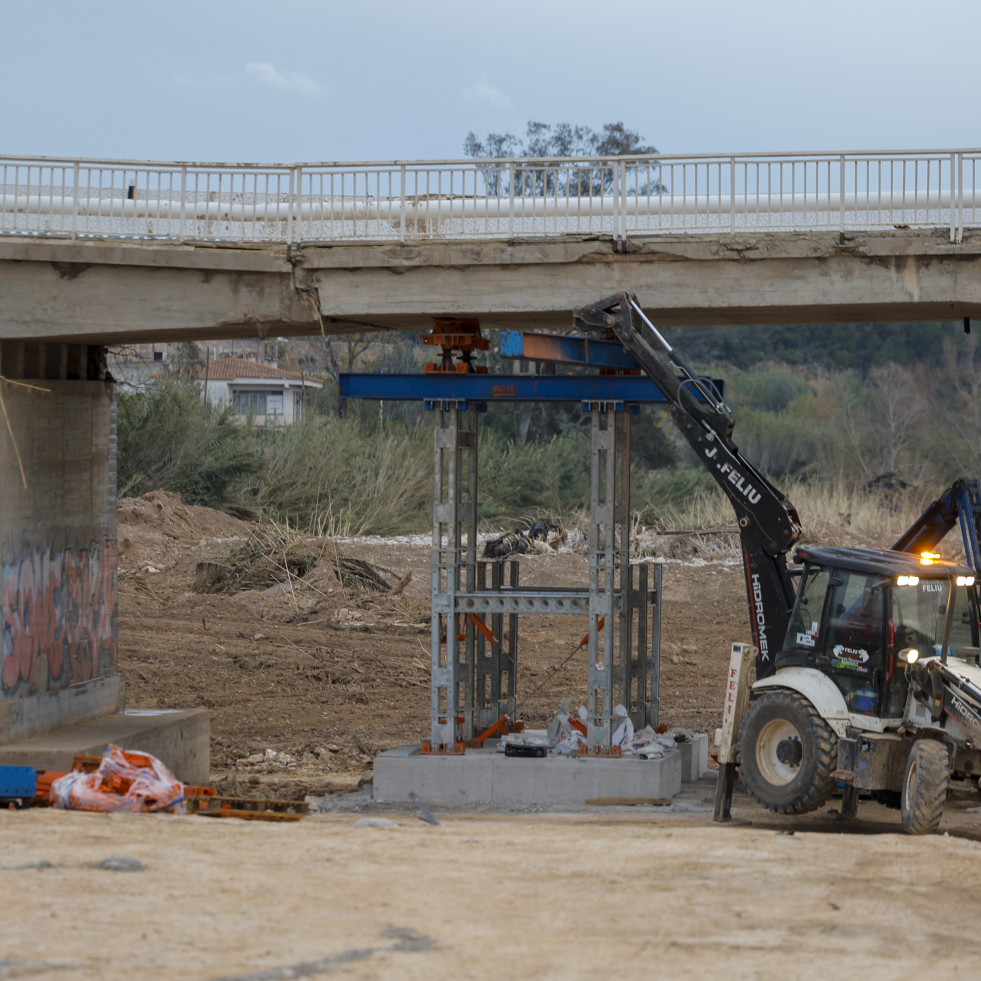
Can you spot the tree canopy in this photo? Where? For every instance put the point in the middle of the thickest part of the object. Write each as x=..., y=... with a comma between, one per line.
x=547, y=140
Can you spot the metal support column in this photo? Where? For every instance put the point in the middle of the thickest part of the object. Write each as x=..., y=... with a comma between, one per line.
x=497, y=656
x=609, y=568
x=454, y=570
x=642, y=666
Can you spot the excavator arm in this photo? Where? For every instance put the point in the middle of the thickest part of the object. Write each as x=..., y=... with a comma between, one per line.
x=960, y=503
x=768, y=523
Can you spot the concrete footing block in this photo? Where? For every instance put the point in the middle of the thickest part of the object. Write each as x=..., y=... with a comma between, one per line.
x=694, y=758
x=178, y=738
x=489, y=777
x=22, y=718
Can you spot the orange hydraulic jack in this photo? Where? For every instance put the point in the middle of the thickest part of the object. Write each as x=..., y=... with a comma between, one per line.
x=456, y=336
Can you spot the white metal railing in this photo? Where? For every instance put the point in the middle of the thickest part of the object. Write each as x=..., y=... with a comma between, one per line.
x=615, y=197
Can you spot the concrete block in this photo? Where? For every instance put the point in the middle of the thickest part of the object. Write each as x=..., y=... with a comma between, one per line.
x=488, y=777
x=694, y=758
x=179, y=739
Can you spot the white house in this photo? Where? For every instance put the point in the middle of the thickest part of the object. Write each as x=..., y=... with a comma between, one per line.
x=269, y=397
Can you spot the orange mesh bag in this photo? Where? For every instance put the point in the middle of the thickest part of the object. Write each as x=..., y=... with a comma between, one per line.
x=124, y=781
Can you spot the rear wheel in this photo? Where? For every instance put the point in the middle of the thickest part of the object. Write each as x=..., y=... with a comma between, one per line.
x=925, y=787
x=787, y=753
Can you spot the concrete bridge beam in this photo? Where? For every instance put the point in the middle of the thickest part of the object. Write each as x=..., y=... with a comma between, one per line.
x=769, y=279
x=115, y=293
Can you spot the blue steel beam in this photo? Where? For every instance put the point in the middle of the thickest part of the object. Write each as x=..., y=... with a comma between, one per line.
x=569, y=350
x=452, y=386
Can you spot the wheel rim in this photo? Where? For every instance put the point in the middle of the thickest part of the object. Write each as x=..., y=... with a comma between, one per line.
x=771, y=759
x=910, y=780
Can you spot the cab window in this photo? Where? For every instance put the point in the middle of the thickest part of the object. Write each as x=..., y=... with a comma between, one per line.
x=918, y=615
x=853, y=643
x=963, y=636
x=805, y=622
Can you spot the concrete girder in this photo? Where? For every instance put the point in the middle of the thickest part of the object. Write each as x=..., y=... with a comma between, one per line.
x=114, y=292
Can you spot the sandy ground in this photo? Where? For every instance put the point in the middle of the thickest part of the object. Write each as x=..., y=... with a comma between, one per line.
x=617, y=892
x=305, y=686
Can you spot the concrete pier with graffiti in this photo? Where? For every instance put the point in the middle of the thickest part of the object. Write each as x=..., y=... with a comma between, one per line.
x=58, y=593
x=59, y=618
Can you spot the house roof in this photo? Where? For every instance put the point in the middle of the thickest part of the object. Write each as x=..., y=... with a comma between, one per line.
x=229, y=369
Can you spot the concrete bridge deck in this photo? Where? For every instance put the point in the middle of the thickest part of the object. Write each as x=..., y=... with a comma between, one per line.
x=117, y=292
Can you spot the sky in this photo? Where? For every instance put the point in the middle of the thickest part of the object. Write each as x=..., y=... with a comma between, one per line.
x=311, y=81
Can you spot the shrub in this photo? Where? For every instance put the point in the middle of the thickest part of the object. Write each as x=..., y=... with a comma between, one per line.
x=342, y=475
x=170, y=439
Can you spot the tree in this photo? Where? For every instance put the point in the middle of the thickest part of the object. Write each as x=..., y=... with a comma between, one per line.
x=548, y=144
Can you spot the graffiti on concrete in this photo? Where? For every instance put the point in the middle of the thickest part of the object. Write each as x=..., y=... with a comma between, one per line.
x=60, y=622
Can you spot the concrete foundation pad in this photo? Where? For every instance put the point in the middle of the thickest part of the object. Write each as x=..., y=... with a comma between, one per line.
x=485, y=776
x=179, y=739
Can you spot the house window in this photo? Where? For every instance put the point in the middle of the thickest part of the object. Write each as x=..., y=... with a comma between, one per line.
x=258, y=402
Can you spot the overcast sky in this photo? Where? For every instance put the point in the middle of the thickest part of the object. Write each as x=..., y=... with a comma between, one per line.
x=287, y=81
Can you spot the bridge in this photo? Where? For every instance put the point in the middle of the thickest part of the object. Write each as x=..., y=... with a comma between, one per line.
x=98, y=252
x=122, y=251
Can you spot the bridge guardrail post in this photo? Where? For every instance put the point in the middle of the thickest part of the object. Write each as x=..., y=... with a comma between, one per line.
x=956, y=195
x=402, y=207
x=732, y=194
x=180, y=231
x=75, y=203
x=620, y=206
x=841, y=193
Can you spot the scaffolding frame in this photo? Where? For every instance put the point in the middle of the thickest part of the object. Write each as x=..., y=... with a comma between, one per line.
x=474, y=622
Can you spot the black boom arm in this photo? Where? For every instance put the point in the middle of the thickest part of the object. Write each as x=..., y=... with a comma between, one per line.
x=768, y=523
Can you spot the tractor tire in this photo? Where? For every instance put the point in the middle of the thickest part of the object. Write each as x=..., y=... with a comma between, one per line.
x=925, y=787
x=787, y=753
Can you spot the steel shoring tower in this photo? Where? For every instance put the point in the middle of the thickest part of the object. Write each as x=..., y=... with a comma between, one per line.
x=620, y=602
x=474, y=648
x=474, y=618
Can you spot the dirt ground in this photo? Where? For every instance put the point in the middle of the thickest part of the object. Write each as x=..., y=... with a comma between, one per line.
x=305, y=686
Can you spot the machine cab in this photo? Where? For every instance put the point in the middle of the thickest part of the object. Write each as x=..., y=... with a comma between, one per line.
x=859, y=611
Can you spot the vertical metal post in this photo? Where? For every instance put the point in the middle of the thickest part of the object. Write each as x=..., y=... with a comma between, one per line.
x=652, y=648
x=402, y=208
x=602, y=569
x=496, y=660
x=180, y=233
x=291, y=215
x=624, y=655
x=453, y=569
x=75, y=204
x=732, y=194
x=841, y=193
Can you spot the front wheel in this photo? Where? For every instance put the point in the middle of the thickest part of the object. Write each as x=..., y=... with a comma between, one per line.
x=925, y=787
x=787, y=753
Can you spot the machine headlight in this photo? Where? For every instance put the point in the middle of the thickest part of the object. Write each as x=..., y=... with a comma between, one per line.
x=907, y=580
x=965, y=580
x=909, y=655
